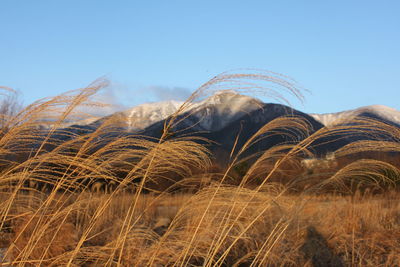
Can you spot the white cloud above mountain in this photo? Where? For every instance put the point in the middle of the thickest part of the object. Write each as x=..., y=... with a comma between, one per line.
x=162, y=93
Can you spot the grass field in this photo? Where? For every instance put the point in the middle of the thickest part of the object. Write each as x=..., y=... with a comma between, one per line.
x=65, y=203
x=236, y=227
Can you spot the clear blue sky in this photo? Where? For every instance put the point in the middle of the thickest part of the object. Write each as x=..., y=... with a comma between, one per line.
x=346, y=52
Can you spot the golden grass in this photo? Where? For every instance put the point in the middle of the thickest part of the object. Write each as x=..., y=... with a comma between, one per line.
x=272, y=230
x=194, y=213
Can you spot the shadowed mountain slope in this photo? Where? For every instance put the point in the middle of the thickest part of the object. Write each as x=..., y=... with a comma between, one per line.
x=223, y=117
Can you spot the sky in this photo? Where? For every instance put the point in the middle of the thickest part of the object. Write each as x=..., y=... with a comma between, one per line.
x=346, y=53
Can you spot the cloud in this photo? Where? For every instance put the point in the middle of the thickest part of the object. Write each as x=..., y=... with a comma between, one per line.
x=111, y=97
x=161, y=93
x=118, y=97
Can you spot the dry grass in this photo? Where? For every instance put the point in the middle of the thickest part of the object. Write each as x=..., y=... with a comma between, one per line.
x=235, y=228
x=194, y=213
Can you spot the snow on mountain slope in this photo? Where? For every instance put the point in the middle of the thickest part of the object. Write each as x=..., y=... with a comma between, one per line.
x=143, y=115
x=223, y=107
x=387, y=113
x=213, y=112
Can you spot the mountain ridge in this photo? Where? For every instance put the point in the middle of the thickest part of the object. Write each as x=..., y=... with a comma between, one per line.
x=385, y=112
x=227, y=119
x=232, y=103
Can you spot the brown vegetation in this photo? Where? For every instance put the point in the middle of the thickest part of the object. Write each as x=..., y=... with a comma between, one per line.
x=265, y=211
x=236, y=227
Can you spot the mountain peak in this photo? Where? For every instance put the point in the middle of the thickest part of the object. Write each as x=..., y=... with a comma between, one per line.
x=226, y=96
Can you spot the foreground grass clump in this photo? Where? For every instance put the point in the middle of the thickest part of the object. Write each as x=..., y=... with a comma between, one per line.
x=72, y=197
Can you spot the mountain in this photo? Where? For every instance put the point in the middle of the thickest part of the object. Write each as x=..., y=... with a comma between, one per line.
x=379, y=112
x=219, y=110
x=225, y=120
x=221, y=117
x=226, y=115
x=225, y=106
x=230, y=106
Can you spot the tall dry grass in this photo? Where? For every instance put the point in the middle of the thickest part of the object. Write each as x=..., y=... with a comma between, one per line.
x=273, y=212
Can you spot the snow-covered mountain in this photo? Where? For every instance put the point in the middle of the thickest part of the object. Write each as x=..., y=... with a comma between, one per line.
x=225, y=106
x=213, y=112
x=228, y=118
x=218, y=110
x=376, y=111
x=225, y=118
